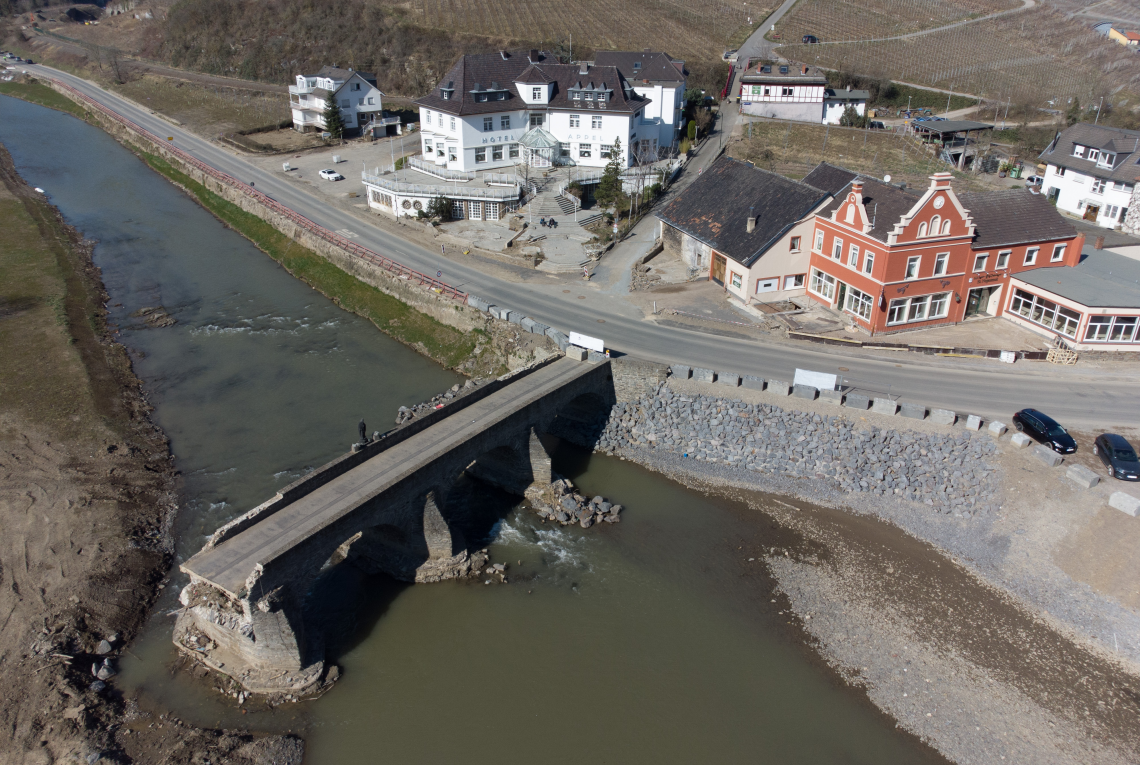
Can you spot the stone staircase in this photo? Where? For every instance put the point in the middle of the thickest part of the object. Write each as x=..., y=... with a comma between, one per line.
x=546, y=204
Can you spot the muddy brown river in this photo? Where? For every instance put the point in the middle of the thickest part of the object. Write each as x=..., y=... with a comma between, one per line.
x=652, y=640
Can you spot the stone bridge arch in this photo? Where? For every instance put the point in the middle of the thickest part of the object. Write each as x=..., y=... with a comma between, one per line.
x=385, y=509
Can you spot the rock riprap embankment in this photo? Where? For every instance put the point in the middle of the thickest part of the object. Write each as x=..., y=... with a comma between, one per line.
x=571, y=507
x=948, y=471
x=406, y=414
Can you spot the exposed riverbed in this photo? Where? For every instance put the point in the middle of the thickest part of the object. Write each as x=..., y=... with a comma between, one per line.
x=664, y=638
x=652, y=639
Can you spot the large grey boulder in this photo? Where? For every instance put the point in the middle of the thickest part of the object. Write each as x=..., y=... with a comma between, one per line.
x=680, y=371
x=1048, y=456
x=752, y=383
x=731, y=379
x=779, y=387
x=704, y=375
x=1125, y=503
x=943, y=417
x=805, y=391
x=913, y=411
x=1082, y=476
x=884, y=406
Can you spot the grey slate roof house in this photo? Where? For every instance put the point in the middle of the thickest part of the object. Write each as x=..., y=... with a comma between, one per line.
x=1091, y=171
x=737, y=222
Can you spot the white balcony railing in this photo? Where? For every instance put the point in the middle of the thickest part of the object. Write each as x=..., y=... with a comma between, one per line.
x=453, y=192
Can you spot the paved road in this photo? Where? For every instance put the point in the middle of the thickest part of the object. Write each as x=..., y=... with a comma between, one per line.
x=1079, y=397
x=229, y=564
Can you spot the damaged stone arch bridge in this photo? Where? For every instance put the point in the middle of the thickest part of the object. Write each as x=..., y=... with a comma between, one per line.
x=383, y=507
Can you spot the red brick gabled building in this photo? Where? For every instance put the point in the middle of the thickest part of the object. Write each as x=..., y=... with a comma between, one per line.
x=894, y=260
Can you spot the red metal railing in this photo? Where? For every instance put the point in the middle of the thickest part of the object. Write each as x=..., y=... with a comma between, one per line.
x=398, y=269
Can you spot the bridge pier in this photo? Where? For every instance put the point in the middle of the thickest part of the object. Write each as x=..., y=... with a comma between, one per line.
x=384, y=510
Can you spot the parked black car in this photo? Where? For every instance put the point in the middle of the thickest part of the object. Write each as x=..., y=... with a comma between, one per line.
x=1045, y=429
x=810, y=40
x=1118, y=456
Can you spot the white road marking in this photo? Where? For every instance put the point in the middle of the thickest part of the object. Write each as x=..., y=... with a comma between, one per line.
x=345, y=232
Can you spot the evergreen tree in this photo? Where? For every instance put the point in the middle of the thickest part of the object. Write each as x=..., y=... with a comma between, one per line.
x=609, y=188
x=334, y=122
x=1074, y=114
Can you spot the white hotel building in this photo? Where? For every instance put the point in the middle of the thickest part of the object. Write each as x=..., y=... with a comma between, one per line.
x=501, y=109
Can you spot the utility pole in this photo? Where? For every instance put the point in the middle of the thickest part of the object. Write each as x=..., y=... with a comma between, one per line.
x=1098, y=110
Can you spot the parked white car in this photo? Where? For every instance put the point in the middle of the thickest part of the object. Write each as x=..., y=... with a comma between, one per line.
x=331, y=175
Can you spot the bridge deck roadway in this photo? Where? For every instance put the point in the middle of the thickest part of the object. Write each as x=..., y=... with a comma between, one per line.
x=230, y=563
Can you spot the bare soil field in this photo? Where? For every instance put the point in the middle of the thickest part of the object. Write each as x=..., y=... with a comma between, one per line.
x=794, y=148
x=1031, y=57
x=86, y=499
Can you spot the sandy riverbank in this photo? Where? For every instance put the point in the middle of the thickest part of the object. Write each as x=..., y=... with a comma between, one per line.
x=966, y=629
x=87, y=495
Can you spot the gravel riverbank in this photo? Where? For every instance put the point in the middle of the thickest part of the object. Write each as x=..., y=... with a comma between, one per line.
x=987, y=658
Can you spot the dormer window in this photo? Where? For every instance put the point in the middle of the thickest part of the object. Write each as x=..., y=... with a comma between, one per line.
x=766, y=69
x=1093, y=154
x=783, y=70
x=536, y=94
x=577, y=95
x=589, y=96
x=1078, y=150
x=1107, y=160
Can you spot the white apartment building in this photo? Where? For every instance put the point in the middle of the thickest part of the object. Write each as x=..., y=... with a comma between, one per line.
x=661, y=80
x=502, y=109
x=360, y=101
x=1091, y=171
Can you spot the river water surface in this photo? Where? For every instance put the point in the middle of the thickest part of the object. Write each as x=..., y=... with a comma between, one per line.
x=654, y=640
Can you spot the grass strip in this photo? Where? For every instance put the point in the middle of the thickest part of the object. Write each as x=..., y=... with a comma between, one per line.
x=446, y=345
x=38, y=93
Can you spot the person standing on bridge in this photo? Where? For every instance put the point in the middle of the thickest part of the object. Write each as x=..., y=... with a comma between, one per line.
x=363, y=431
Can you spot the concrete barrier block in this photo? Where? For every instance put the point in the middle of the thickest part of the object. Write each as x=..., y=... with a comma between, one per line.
x=857, y=401
x=1125, y=503
x=478, y=302
x=703, y=375
x=779, y=387
x=680, y=371
x=996, y=428
x=493, y=310
x=539, y=329
x=595, y=358
x=913, y=411
x=560, y=339
x=1020, y=440
x=1082, y=476
x=805, y=391
x=1048, y=456
x=973, y=422
x=752, y=383
x=576, y=353
x=527, y=323
x=514, y=317
x=943, y=417
x=731, y=379
x=884, y=406
x=832, y=397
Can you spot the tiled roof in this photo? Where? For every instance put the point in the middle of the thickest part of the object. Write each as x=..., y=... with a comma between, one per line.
x=884, y=203
x=846, y=95
x=533, y=74
x=487, y=68
x=943, y=127
x=715, y=208
x=1014, y=216
x=830, y=178
x=1102, y=279
x=654, y=66
x=1124, y=143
